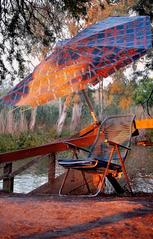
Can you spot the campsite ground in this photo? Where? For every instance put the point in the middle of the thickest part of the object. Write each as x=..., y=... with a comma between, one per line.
x=71, y=217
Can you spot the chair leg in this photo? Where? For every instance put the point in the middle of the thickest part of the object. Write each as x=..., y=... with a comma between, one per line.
x=102, y=179
x=63, y=183
x=87, y=185
x=108, y=163
x=123, y=169
x=64, y=180
x=99, y=186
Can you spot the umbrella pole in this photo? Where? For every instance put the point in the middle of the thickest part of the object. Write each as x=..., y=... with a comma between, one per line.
x=93, y=114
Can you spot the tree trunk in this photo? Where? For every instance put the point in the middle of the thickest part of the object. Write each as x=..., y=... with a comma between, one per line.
x=62, y=115
x=60, y=107
x=22, y=122
x=76, y=115
x=33, y=119
x=2, y=122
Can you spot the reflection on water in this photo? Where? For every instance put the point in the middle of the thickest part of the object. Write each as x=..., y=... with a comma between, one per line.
x=143, y=183
x=139, y=165
x=27, y=182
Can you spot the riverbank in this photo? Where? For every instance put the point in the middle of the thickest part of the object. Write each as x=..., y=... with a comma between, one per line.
x=70, y=217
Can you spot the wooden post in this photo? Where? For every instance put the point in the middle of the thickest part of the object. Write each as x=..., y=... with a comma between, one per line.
x=8, y=182
x=51, y=167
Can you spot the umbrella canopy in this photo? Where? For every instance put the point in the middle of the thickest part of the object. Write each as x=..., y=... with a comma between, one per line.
x=97, y=51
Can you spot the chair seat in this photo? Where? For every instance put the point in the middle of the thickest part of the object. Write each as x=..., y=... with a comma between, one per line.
x=90, y=163
x=70, y=163
x=112, y=166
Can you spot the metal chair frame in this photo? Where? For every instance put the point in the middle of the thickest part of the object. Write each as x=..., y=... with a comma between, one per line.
x=116, y=147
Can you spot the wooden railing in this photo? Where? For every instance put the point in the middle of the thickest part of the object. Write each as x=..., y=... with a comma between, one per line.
x=36, y=154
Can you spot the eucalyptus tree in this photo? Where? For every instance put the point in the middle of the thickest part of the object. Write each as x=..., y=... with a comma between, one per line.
x=28, y=23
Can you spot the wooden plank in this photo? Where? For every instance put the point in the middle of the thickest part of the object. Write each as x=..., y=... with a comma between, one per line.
x=45, y=149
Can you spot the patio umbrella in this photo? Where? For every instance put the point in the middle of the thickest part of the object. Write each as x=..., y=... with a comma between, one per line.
x=96, y=52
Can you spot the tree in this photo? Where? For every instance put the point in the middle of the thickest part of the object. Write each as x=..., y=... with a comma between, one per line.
x=145, y=7
x=120, y=92
x=76, y=113
x=143, y=94
x=149, y=103
x=100, y=10
x=62, y=115
x=143, y=91
x=25, y=23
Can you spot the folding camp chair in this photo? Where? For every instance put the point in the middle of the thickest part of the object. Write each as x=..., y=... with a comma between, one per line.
x=106, y=156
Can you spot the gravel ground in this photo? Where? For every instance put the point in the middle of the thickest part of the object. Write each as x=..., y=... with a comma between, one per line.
x=72, y=217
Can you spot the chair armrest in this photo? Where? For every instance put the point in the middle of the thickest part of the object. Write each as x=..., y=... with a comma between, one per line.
x=114, y=144
x=73, y=146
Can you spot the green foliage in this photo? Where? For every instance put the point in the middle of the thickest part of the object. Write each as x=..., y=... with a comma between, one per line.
x=86, y=117
x=26, y=140
x=9, y=142
x=65, y=133
x=144, y=7
x=119, y=94
x=47, y=115
x=149, y=133
x=112, y=109
x=143, y=90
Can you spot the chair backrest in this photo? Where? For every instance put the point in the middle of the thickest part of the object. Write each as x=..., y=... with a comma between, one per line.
x=118, y=129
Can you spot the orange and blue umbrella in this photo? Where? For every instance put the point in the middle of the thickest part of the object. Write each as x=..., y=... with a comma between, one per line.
x=97, y=51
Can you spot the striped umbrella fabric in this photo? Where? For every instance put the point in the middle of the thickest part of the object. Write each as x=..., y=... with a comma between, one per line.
x=97, y=51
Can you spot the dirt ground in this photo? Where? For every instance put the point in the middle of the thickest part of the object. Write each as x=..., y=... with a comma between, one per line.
x=70, y=217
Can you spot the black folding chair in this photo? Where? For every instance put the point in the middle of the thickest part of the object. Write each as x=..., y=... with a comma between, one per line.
x=107, y=155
